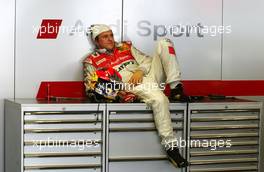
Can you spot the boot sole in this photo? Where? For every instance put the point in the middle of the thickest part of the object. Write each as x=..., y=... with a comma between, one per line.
x=174, y=163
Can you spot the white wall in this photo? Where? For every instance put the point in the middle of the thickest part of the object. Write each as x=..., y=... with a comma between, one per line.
x=199, y=57
x=56, y=59
x=243, y=52
x=238, y=56
x=7, y=17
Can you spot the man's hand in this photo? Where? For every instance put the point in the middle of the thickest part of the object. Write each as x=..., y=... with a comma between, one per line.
x=136, y=78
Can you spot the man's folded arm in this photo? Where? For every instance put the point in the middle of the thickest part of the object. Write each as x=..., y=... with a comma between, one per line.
x=142, y=59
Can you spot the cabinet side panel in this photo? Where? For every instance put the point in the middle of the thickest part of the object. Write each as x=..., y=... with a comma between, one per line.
x=12, y=137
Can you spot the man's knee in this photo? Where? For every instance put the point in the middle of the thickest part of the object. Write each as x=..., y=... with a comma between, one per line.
x=160, y=99
x=164, y=42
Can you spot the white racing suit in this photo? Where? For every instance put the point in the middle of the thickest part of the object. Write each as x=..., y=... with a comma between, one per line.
x=159, y=70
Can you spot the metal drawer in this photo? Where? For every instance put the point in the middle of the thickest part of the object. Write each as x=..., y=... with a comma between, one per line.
x=235, y=150
x=236, y=167
x=45, y=128
x=223, y=125
x=63, y=112
x=143, y=166
x=69, y=118
x=67, y=170
x=126, y=127
x=240, y=127
x=227, y=133
x=223, y=117
x=224, y=111
x=62, y=162
x=223, y=159
x=136, y=144
x=140, y=115
x=123, y=121
x=85, y=149
x=44, y=138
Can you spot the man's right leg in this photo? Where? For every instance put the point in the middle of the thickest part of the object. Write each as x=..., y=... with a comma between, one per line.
x=165, y=68
x=159, y=103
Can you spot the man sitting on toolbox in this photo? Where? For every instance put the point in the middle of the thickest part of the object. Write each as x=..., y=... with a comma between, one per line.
x=146, y=74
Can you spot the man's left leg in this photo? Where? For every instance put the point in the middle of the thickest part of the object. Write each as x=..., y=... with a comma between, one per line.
x=155, y=98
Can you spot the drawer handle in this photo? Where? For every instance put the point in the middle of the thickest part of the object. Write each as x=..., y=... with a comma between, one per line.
x=139, y=129
x=137, y=158
x=244, y=143
x=63, y=113
x=61, y=166
x=50, y=121
x=223, y=161
x=227, y=135
x=42, y=142
x=228, y=118
x=62, y=154
x=62, y=130
x=227, y=169
x=223, y=127
x=224, y=111
x=238, y=143
x=138, y=120
x=226, y=152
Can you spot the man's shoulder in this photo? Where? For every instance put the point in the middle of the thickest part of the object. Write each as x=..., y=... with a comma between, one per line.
x=128, y=43
x=124, y=45
x=91, y=56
